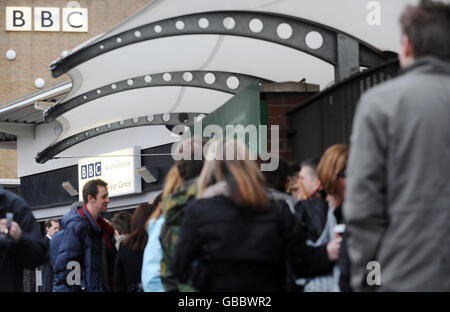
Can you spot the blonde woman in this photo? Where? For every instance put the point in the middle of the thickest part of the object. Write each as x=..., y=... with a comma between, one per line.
x=231, y=238
x=320, y=216
x=151, y=266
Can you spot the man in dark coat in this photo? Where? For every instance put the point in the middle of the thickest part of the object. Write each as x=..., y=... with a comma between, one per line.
x=86, y=254
x=398, y=191
x=313, y=215
x=51, y=227
x=21, y=245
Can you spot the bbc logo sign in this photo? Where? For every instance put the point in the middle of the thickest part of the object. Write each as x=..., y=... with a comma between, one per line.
x=91, y=170
x=46, y=19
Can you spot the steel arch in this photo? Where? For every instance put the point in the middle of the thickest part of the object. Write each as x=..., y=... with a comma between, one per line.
x=179, y=78
x=343, y=51
x=173, y=119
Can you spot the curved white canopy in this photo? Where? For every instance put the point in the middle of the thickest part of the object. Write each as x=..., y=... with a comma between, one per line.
x=215, y=52
x=198, y=52
x=136, y=103
x=349, y=16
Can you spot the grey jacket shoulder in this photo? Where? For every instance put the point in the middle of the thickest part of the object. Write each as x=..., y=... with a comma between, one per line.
x=397, y=180
x=425, y=73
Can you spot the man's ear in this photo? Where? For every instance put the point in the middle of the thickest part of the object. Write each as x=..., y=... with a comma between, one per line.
x=407, y=46
x=406, y=53
x=317, y=184
x=89, y=198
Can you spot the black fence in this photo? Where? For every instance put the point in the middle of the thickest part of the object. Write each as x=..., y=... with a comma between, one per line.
x=326, y=118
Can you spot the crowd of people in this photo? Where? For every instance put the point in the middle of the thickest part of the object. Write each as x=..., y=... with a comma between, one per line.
x=222, y=224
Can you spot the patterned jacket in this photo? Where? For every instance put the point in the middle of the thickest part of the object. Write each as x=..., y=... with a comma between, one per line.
x=173, y=210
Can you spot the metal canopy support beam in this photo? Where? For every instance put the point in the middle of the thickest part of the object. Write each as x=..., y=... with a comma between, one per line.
x=215, y=80
x=17, y=129
x=280, y=29
x=173, y=119
x=347, y=57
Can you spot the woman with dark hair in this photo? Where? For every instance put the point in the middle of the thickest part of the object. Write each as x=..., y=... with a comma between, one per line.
x=127, y=272
x=233, y=236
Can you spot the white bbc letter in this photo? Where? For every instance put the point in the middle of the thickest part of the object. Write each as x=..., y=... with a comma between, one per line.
x=75, y=20
x=374, y=17
x=18, y=19
x=46, y=19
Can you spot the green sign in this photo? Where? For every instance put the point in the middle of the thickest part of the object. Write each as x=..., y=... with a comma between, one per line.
x=240, y=117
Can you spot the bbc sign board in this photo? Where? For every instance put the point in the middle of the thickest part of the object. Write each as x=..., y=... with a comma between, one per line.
x=91, y=170
x=118, y=169
x=46, y=19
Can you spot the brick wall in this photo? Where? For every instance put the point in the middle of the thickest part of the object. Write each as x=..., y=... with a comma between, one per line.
x=8, y=164
x=36, y=50
x=280, y=98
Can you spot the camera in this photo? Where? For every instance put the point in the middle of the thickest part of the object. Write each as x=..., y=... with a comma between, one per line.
x=5, y=238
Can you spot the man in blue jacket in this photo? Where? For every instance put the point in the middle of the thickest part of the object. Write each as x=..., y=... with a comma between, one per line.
x=21, y=245
x=85, y=259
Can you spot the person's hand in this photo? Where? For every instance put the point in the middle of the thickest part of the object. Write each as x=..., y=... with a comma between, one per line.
x=333, y=248
x=3, y=226
x=15, y=232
